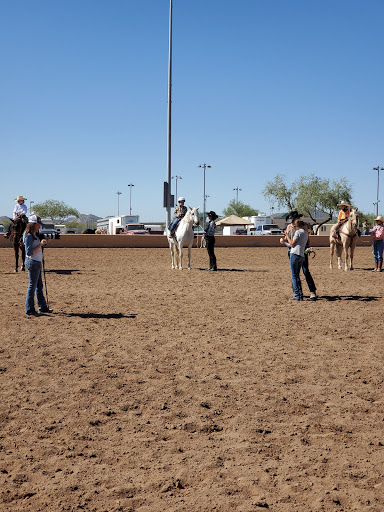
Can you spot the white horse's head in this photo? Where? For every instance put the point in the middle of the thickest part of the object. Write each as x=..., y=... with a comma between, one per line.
x=194, y=215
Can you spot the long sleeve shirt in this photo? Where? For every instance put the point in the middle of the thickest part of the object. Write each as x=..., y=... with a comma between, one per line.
x=377, y=232
x=19, y=209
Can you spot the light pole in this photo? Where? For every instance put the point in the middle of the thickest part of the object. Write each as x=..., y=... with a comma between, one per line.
x=204, y=166
x=176, y=178
x=118, y=205
x=378, y=169
x=30, y=205
x=130, y=197
x=237, y=193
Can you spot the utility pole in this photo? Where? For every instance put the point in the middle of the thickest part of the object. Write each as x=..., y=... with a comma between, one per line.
x=130, y=197
x=204, y=166
x=378, y=169
x=118, y=205
x=167, y=184
x=176, y=178
x=237, y=193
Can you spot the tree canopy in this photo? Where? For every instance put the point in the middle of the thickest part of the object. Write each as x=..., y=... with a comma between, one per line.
x=58, y=211
x=240, y=209
x=311, y=195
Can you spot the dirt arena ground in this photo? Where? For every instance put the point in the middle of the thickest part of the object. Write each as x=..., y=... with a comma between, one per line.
x=150, y=389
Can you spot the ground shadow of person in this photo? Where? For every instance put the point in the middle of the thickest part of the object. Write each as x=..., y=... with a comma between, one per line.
x=234, y=270
x=332, y=298
x=97, y=315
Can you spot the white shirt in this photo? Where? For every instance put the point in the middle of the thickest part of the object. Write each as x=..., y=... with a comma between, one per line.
x=19, y=208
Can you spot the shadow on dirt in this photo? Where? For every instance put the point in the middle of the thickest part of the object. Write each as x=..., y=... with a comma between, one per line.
x=68, y=272
x=98, y=315
x=332, y=298
x=233, y=270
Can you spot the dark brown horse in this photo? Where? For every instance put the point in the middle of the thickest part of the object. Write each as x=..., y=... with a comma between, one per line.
x=15, y=234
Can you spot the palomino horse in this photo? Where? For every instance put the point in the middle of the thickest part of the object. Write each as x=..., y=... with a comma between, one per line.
x=347, y=242
x=184, y=236
x=15, y=234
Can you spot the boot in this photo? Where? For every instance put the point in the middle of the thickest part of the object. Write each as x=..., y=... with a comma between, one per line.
x=380, y=265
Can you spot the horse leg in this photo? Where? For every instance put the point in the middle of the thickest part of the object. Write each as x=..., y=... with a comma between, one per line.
x=347, y=256
x=339, y=250
x=16, y=251
x=189, y=255
x=23, y=258
x=171, y=247
x=180, y=251
x=332, y=247
x=352, y=250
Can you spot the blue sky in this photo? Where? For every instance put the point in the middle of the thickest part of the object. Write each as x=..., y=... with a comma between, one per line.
x=260, y=87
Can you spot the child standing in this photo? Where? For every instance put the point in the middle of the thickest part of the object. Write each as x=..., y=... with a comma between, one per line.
x=377, y=234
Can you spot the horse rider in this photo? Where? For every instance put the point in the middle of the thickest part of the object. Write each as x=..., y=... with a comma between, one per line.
x=20, y=208
x=180, y=211
x=342, y=217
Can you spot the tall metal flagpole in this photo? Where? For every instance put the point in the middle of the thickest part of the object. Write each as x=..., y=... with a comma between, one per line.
x=168, y=198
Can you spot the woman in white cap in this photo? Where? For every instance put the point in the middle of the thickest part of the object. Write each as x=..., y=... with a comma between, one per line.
x=33, y=262
x=377, y=234
x=180, y=211
x=20, y=207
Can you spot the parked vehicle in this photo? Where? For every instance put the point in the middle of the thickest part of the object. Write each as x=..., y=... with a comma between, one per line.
x=135, y=229
x=266, y=229
x=49, y=230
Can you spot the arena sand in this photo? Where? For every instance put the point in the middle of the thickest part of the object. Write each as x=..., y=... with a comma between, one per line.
x=151, y=389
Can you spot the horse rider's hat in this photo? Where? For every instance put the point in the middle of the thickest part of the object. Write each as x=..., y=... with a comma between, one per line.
x=34, y=219
x=212, y=214
x=344, y=203
x=20, y=198
x=181, y=199
x=379, y=219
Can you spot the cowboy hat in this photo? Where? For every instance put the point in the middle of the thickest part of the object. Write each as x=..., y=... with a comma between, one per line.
x=212, y=214
x=20, y=198
x=344, y=203
x=181, y=199
x=379, y=218
x=293, y=215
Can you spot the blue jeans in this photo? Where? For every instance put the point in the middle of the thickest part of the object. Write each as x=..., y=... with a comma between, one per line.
x=35, y=286
x=378, y=246
x=296, y=263
x=172, y=227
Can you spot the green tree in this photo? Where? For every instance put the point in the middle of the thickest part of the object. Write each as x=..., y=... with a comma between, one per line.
x=279, y=191
x=56, y=210
x=240, y=209
x=312, y=195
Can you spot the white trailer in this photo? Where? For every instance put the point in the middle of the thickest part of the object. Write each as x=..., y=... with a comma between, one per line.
x=117, y=224
x=257, y=222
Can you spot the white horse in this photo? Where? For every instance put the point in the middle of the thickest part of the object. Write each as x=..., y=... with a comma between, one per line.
x=184, y=236
x=347, y=242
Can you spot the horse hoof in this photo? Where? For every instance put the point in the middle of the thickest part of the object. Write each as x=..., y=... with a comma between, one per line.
x=15, y=270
